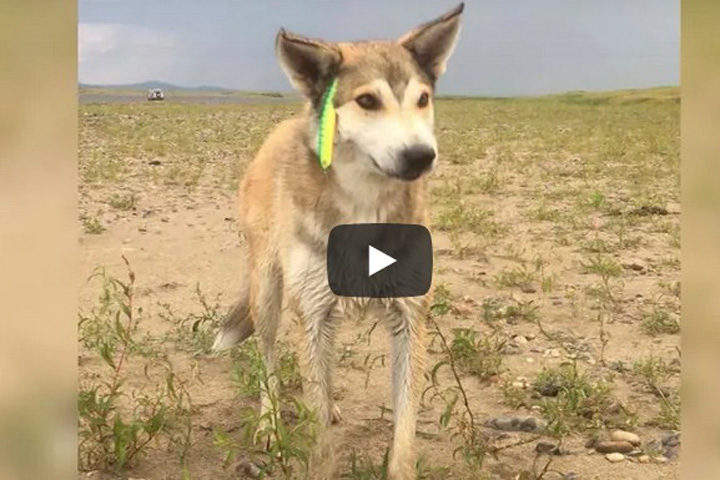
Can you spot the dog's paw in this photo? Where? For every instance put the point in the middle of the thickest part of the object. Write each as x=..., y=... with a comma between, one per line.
x=401, y=467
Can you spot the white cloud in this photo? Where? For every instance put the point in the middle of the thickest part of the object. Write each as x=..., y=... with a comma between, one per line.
x=120, y=53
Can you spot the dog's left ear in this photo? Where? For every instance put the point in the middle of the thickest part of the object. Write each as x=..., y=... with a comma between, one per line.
x=433, y=42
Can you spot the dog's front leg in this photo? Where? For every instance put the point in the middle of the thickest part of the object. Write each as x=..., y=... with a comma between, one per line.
x=319, y=318
x=314, y=303
x=407, y=327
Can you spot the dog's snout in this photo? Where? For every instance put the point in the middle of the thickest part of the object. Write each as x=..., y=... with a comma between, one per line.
x=419, y=156
x=416, y=160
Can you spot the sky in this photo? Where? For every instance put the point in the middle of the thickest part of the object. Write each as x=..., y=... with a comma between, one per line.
x=506, y=47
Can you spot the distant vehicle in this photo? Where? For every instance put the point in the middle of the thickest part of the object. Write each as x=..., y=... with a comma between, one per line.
x=155, y=94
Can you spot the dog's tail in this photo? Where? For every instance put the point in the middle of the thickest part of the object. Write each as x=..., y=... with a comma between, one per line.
x=238, y=325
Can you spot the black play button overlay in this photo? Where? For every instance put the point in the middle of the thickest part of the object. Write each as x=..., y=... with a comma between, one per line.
x=379, y=260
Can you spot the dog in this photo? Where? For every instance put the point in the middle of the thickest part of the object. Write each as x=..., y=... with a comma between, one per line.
x=384, y=147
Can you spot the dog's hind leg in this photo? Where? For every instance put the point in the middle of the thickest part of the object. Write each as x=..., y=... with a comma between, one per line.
x=267, y=296
x=407, y=326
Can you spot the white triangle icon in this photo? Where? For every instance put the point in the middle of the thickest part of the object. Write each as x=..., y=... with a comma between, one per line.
x=378, y=260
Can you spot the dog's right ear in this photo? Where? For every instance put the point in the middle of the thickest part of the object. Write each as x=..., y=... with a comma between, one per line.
x=309, y=64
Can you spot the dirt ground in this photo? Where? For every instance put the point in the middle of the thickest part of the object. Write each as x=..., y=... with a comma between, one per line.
x=556, y=236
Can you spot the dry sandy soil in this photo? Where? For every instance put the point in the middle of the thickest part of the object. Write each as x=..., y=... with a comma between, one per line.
x=556, y=233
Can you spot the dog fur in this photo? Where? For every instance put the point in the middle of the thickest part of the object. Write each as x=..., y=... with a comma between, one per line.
x=384, y=147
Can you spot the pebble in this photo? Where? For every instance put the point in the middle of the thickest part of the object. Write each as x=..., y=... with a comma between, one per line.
x=623, y=436
x=521, y=382
x=644, y=459
x=660, y=459
x=529, y=360
x=672, y=440
x=609, y=446
x=511, y=349
x=548, y=390
x=553, y=352
x=248, y=469
x=634, y=266
x=547, y=448
x=520, y=340
x=517, y=424
x=615, y=457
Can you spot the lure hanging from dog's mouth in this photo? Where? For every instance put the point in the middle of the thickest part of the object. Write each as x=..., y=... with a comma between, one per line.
x=326, y=127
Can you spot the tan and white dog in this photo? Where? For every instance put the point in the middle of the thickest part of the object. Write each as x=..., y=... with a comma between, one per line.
x=384, y=145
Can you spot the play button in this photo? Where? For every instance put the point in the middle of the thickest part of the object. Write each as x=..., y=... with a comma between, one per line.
x=379, y=260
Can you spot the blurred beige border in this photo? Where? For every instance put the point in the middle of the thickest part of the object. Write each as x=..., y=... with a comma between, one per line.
x=701, y=239
x=38, y=238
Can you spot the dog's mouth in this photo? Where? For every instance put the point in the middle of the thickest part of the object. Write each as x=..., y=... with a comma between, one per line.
x=407, y=175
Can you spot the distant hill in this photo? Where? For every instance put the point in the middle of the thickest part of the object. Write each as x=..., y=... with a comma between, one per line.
x=156, y=84
x=179, y=90
x=665, y=94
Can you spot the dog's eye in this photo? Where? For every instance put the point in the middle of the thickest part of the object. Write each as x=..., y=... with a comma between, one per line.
x=368, y=102
x=423, y=100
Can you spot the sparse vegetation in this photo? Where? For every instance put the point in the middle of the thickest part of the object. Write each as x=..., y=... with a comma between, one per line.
x=123, y=201
x=575, y=401
x=482, y=357
x=660, y=321
x=92, y=226
x=557, y=293
x=118, y=423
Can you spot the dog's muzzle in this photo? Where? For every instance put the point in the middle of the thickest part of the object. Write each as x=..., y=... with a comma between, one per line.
x=415, y=160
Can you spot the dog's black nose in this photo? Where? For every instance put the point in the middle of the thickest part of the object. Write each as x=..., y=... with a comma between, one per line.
x=416, y=160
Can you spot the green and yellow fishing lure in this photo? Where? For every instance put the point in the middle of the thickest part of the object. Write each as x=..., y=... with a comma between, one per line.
x=326, y=127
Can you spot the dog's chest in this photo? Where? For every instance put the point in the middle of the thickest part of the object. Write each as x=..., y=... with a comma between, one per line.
x=365, y=203
x=361, y=308
x=363, y=213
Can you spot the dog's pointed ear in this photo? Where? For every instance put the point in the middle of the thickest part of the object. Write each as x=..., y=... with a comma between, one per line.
x=433, y=42
x=309, y=64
